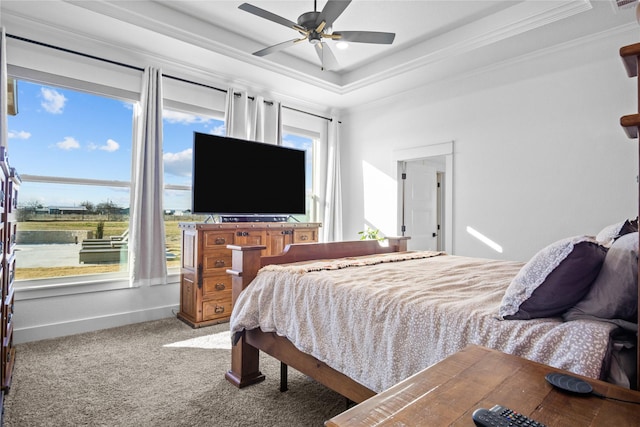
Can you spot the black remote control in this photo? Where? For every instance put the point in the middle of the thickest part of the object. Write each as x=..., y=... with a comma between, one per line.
x=499, y=416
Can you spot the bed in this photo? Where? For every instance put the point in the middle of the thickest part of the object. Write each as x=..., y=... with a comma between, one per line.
x=359, y=316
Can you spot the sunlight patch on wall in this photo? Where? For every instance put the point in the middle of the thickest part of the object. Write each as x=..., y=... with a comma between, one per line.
x=484, y=239
x=379, y=199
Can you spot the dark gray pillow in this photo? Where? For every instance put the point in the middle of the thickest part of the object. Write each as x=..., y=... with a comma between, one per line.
x=614, y=293
x=554, y=280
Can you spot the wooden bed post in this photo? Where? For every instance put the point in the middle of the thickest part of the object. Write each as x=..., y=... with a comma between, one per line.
x=400, y=243
x=245, y=359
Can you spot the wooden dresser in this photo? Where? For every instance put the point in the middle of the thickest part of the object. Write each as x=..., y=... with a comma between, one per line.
x=205, y=286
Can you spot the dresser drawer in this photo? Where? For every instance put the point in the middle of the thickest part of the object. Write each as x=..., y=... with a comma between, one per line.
x=305, y=236
x=216, y=239
x=216, y=261
x=216, y=286
x=216, y=308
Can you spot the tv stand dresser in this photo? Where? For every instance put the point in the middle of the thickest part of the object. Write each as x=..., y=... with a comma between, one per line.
x=205, y=286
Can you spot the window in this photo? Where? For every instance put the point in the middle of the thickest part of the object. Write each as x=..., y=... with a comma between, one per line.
x=300, y=141
x=73, y=152
x=178, y=128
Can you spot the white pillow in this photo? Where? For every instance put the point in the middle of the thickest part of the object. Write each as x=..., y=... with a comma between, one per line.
x=608, y=235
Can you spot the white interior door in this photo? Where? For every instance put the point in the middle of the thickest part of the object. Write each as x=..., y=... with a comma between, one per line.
x=421, y=205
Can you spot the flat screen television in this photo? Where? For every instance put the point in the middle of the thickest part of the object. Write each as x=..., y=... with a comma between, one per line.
x=234, y=177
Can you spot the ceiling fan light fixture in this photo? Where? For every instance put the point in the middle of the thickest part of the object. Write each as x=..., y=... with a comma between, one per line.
x=314, y=38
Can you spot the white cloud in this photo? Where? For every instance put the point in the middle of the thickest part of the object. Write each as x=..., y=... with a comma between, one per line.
x=110, y=146
x=178, y=164
x=182, y=118
x=219, y=130
x=296, y=144
x=68, y=143
x=12, y=134
x=53, y=101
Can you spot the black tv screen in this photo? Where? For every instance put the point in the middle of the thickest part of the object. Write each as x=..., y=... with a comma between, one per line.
x=236, y=177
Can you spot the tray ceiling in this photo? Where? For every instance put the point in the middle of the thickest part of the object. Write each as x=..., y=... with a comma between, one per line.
x=434, y=39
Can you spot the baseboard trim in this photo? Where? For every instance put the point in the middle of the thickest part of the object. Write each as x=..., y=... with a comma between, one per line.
x=54, y=330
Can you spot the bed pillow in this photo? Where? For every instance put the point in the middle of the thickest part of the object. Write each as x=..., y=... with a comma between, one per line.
x=610, y=233
x=554, y=280
x=614, y=294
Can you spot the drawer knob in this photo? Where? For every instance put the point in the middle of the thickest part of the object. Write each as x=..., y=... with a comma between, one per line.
x=219, y=263
x=219, y=309
x=220, y=240
x=304, y=237
x=220, y=286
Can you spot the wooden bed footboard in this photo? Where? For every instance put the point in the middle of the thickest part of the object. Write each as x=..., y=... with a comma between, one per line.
x=245, y=357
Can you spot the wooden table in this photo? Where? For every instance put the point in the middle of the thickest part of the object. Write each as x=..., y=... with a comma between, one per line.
x=448, y=392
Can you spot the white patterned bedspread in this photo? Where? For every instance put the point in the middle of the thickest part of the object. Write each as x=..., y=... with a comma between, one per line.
x=381, y=323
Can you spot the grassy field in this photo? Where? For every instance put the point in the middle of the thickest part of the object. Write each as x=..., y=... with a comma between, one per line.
x=111, y=228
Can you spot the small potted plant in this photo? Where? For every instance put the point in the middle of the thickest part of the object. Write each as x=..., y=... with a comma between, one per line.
x=370, y=234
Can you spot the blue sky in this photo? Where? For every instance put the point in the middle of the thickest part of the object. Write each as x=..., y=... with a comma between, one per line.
x=63, y=133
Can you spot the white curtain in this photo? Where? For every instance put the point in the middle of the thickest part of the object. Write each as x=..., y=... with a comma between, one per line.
x=147, y=257
x=265, y=121
x=236, y=115
x=254, y=120
x=332, y=215
x=3, y=89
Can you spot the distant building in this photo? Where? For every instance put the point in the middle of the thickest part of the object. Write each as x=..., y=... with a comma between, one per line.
x=66, y=210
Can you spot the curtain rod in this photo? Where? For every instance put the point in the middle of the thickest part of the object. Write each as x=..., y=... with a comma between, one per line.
x=133, y=67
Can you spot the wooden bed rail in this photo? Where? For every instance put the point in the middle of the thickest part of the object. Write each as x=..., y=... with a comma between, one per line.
x=245, y=357
x=310, y=251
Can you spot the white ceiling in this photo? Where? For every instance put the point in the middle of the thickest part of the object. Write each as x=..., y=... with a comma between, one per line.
x=388, y=16
x=435, y=39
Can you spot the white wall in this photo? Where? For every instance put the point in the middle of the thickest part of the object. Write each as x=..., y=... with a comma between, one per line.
x=538, y=150
x=43, y=317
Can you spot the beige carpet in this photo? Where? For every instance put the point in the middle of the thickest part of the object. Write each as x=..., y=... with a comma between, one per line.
x=159, y=373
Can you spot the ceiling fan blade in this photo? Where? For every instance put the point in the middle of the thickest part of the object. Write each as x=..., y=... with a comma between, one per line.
x=327, y=59
x=270, y=16
x=364, y=37
x=277, y=47
x=331, y=11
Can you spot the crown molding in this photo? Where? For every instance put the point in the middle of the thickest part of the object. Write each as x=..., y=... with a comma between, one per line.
x=517, y=19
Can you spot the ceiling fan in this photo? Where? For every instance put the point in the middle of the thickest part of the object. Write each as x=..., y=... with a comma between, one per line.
x=315, y=26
